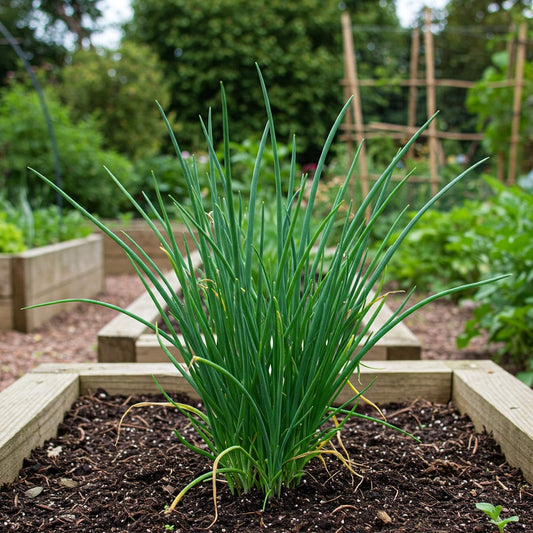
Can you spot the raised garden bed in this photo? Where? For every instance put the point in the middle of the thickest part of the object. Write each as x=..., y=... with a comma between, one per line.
x=115, y=260
x=70, y=269
x=32, y=408
x=125, y=340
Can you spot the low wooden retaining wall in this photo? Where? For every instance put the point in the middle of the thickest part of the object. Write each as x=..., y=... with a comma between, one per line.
x=33, y=406
x=70, y=269
x=116, y=261
x=124, y=340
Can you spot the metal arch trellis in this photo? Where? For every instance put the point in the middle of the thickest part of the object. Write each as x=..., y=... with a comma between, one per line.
x=57, y=169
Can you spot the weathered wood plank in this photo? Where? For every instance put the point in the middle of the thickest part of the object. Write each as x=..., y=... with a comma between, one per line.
x=86, y=285
x=116, y=349
x=116, y=340
x=68, y=269
x=123, y=378
x=497, y=402
x=148, y=350
x=128, y=329
x=6, y=314
x=6, y=293
x=394, y=380
x=49, y=266
x=399, y=342
x=403, y=381
x=30, y=411
x=6, y=290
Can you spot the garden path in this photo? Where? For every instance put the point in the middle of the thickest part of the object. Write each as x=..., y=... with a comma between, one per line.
x=72, y=336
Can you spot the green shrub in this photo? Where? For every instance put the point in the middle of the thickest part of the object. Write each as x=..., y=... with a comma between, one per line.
x=297, y=44
x=504, y=238
x=11, y=239
x=24, y=138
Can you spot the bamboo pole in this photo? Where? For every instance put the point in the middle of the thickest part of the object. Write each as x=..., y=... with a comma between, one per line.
x=350, y=65
x=431, y=102
x=444, y=82
x=517, y=102
x=413, y=75
x=410, y=131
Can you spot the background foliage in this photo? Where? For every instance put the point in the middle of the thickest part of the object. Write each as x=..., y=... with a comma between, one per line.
x=476, y=241
x=503, y=240
x=297, y=45
x=24, y=141
x=118, y=88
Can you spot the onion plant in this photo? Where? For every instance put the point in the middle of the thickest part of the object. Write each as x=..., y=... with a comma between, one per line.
x=268, y=353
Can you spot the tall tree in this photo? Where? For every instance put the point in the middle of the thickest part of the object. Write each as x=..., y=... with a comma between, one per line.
x=45, y=30
x=118, y=88
x=297, y=44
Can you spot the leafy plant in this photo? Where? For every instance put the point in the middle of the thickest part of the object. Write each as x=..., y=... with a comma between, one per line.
x=502, y=239
x=11, y=239
x=494, y=514
x=268, y=355
x=44, y=225
x=475, y=241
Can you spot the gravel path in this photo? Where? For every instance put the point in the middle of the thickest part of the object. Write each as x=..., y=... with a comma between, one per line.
x=68, y=337
x=72, y=336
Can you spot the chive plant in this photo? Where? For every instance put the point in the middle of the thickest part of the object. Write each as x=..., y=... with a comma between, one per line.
x=268, y=353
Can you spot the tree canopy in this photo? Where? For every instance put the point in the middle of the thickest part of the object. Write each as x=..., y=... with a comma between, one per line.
x=118, y=88
x=45, y=30
x=297, y=45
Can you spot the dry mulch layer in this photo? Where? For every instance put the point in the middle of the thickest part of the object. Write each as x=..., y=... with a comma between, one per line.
x=81, y=481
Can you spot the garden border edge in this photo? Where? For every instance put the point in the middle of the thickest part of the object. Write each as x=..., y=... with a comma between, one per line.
x=32, y=408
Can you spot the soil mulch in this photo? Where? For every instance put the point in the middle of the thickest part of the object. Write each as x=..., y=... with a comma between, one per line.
x=81, y=481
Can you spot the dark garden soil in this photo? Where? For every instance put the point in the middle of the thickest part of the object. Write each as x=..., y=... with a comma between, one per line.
x=80, y=481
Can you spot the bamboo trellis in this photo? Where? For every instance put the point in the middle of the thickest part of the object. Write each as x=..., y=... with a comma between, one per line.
x=355, y=130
